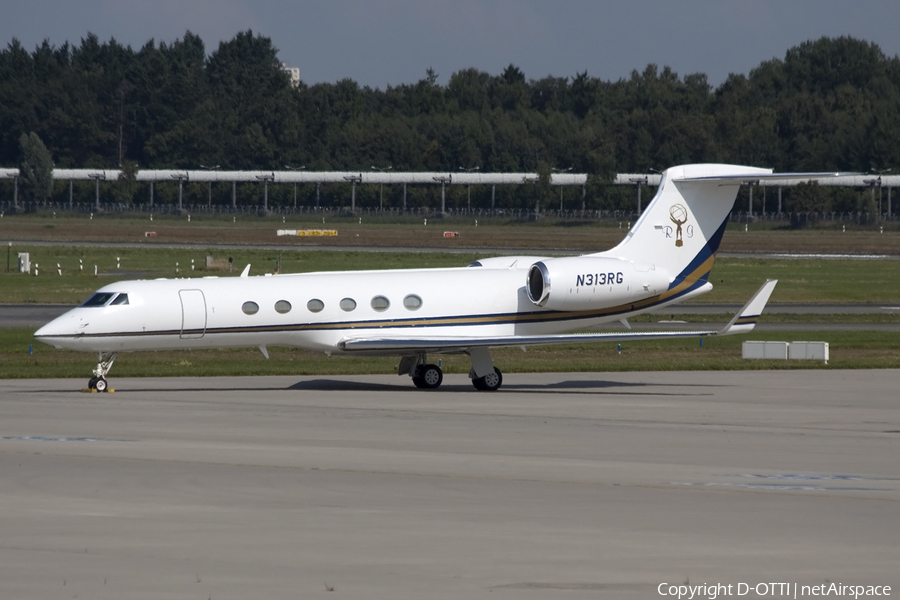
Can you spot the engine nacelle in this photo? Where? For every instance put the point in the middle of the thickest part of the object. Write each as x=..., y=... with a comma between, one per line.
x=585, y=283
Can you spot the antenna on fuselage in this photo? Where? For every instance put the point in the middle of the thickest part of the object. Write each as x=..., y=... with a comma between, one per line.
x=246, y=271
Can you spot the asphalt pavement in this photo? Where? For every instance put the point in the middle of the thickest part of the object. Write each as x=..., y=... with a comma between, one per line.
x=565, y=485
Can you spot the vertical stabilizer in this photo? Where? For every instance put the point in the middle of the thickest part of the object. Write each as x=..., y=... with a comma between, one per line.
x=681, y=228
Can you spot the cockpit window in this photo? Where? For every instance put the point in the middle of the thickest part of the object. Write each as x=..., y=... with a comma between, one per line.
x=120, y=299
x=99, y=299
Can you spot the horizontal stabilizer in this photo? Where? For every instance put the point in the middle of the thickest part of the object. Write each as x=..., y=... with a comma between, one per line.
x=735, y=179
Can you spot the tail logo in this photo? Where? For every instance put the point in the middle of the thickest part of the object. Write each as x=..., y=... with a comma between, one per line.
x=678, y=214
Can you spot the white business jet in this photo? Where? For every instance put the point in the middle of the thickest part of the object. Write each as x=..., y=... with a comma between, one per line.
x=506, y=301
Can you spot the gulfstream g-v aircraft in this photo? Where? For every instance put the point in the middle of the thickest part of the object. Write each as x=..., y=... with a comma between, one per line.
x=506, y=301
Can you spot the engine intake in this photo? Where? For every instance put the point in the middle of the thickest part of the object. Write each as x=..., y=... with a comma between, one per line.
x=538, y=283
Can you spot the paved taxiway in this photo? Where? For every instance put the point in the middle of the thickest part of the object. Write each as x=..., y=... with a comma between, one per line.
x=558, y=486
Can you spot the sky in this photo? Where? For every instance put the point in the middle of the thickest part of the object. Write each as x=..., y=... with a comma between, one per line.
x=378, y=43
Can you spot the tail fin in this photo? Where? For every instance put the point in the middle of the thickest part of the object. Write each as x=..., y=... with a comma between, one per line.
x=682, y=227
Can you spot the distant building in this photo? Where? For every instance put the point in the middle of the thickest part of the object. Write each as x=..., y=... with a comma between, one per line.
x=294, y=72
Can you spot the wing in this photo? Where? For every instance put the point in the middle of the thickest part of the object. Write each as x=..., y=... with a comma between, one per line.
x=743, y=322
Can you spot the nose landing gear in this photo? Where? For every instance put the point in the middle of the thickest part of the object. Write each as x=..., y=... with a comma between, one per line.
x=98, y=381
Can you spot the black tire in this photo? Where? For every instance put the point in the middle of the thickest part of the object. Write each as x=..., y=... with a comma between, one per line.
x=431, y=377
x=490, y=382
x=92, y=383
x=418, y=381
x=100, y=385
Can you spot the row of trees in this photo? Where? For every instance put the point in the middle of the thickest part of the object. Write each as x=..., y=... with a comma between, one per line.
x=829, y=104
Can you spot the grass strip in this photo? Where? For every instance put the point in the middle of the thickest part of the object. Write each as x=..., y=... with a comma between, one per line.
x=802, y=281
x=848, y=349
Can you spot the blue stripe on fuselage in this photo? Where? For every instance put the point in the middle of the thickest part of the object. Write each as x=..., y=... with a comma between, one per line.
x=689, y=272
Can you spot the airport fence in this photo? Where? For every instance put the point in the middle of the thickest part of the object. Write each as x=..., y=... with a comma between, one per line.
x=789, y=219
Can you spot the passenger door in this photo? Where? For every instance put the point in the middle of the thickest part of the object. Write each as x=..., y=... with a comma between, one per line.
x=193, y=314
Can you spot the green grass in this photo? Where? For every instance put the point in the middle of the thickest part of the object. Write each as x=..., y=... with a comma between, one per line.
x=75, y=284
x=848, y=349
x=806, y=281
x=770, y=317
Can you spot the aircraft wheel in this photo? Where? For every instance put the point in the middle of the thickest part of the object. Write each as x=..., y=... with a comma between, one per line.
x=92, y=383
x=100, y=385
x=429, y=376
x=490, y=382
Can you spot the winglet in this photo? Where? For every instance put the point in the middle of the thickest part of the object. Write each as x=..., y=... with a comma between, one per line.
x=746, y=318
x=246, y=271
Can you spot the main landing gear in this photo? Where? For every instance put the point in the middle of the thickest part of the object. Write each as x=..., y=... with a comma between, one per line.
x=488, y=383
x=484, y=375
x=98, y=381
x=428, y=377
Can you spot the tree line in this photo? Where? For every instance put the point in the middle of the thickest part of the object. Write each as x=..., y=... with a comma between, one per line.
x=829, y=104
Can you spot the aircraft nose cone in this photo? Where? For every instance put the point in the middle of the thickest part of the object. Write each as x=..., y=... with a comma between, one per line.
x=52, y=329
x=59, y=329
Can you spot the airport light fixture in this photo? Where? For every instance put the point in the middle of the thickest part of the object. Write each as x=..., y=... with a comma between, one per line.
x=381, y=187
x=469, y=188
x=212, y=168
x=555, y=170
x=97, y=177
x=266, y=179
x=353, y=179
x=14, y=175
x=300, y=168
x=873, y=182
x=443, y=181
x=750, y=185
x=638, y=181
x=180, y=177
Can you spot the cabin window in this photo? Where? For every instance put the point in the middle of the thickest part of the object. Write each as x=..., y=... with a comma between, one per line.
x=283, y=307
x=412, y=302
x=98, y=299
x=380, y=303
x=120, y=299
x=250, y=308
x=348, y=304
x=315, y=305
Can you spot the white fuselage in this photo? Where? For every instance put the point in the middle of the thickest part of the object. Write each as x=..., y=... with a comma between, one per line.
x=215, y=312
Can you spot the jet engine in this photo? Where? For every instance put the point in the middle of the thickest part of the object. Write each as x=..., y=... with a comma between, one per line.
x=585, y=283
